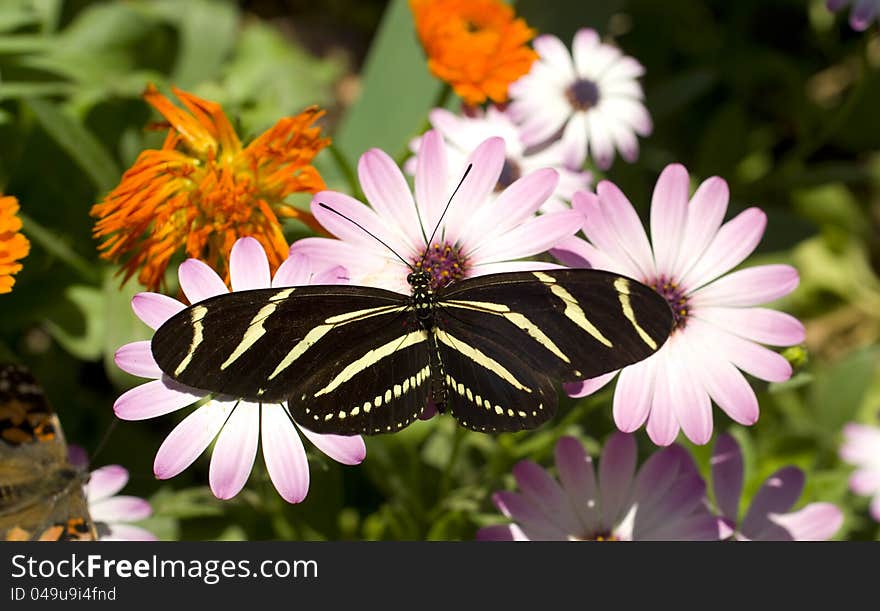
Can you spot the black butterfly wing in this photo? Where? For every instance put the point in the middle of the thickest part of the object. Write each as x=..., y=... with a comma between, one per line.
x=569, y=324
x=263, y=345
x=489, y=387
x=347, y=359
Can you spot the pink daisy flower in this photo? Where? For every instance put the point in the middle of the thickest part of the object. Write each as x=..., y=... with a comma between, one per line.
x=238, y=426
x=592, y=95
x=718, y=328
x=480, y=234
x=862, y=14
x=462, y=134
x=112, y=513
x=769, y=518
x=664, y=500
x=861, y=447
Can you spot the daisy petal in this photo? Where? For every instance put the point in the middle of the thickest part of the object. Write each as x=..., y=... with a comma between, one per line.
x=624, y=231
x=748, y=287
x=388, y=193
x=295, y=270
x=578, y=478
x=692, y=406
x=333, y=275
x=601, y=144
x=432, y=176
x=727, y=476
x=198, y=281
x=584, y=46
x=575, y=141
x=248, y=266
x=617, y=467
x=535, y=236
x=190, y=438
x=154, y=309
x=554, y=52
x=105, y=482
x=760, y=325
x=137, y=359
x=120, y=509
x=669, y=206
x=634, y=395
x=776, y=495
x=704, y=216
x=362, y=214
x=498, y=532
x=348, y=450
x=588, y=387
x=235, y=450
x=663, y=426
x=284, y=454
x=544, y=492
x=126, y=532
x=155, y=398
x=534, y=523
x=486, y=163
x=815, y=522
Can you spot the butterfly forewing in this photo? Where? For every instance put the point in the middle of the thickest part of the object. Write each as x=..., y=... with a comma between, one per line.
x=266, y=344
x=571, y=324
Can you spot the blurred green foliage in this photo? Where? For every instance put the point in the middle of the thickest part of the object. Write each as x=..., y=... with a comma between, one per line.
x=778, y=97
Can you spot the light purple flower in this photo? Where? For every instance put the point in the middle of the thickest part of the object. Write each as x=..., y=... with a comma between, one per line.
x=238, y=426
x=861, y=447
x=664, y=500
x=718, y=330
x=769, y=518
x=591, y=94
x=862, y=14
x=480, y=234
x=462, y=134
x=112, y=512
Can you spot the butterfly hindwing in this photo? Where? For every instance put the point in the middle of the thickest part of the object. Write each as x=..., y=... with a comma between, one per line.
x=263, y=345
x=41, y=493
x=572, y=324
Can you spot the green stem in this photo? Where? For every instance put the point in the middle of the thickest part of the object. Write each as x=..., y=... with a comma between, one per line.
x=53, y=244
x=347, y=170
x=446, y=479
x=439, y=102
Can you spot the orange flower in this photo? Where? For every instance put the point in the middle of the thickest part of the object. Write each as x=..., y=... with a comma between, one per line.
x=477, y=46
x=202, y=190
x=13, y=245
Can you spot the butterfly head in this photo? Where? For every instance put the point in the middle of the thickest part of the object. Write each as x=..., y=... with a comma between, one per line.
x=419, y=280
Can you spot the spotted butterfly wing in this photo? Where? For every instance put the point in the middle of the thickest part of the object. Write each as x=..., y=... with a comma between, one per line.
x=41, y=493
x=350, y=359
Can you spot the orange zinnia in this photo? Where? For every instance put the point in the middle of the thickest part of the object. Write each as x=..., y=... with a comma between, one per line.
x=13, y=245
x=202, y=190
x=477, y=46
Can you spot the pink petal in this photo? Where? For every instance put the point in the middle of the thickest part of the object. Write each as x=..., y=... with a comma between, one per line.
x=483, y=269
x=120, y=509
x=432, y=178
x=669, y=206
x=663, y=425
x=617, y=467
x=748, y=287
x=588, y=387
x=325, y=252
x=554, y=52
x=362, y=214
x=634, y=394
x=332, y=275
x=691, y=403
x=862, y=14
x=657, y=476
x=704, y=215
x=105, y=482
x=727, y=476
x=544, y=492
x=486, y=162
x=284, y=454
x=154, y=309
x=578, y=478
x=815, y=522
x=190, y=438
x=669, y=517
x=153, y=399
x=865, y=482
x=535, y=236
x=586, y=41
x=534, y=523
x=498, y=532
x=348, y=450
x=198, y=281
x=861, y=444
x=751, y=357
x=775, y=496
x=730, y=390
x=126, y=532
x=577, y=252
x=601, y=144
x=574, y=141
x=732, y=244
x=756, y=324
x=389, y=194
x=248, y=266
x=235, y=450
x=137, y=359
x=295, y=270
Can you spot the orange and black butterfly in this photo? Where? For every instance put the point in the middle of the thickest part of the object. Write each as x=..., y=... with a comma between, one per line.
x=41, y=492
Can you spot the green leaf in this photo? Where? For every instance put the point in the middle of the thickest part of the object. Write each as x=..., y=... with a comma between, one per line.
x=840, y=389
x=121, y=326
x=397, y=91
x=81, y=333
x=78, y=142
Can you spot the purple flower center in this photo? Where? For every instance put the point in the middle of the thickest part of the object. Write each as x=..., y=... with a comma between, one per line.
x=604, y=535
x=444, y=262
x=510, y=173
x=676, y=298
x=583, y=94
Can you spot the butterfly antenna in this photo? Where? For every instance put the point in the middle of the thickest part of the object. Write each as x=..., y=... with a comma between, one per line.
x=368, y=232
x=103, y=443
x=451, y=197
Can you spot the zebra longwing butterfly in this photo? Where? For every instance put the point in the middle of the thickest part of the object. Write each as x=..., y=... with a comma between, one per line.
x=361, y=360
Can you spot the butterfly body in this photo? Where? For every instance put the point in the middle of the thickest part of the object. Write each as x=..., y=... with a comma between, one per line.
x=41, y=492
x=352, y=359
